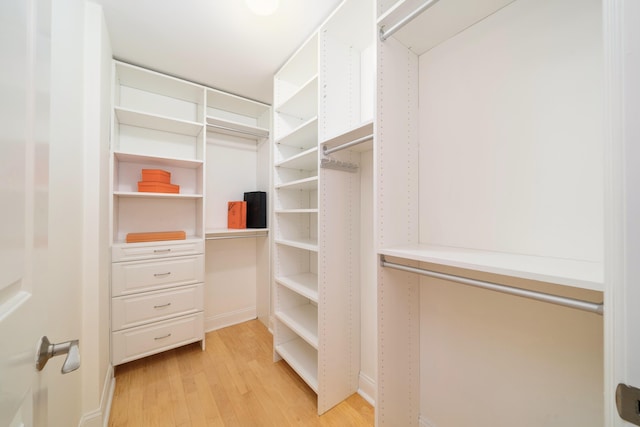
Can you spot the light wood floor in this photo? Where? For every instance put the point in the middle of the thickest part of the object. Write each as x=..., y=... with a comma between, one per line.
x=233, y=383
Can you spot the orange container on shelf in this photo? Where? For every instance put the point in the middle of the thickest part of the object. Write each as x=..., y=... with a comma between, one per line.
x=237, y=215
x=157, y=187
x=155, y=236
x=156, y=175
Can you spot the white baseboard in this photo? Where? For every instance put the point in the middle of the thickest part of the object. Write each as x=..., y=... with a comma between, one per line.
x=112, y=389
x=423, y=422
x=100, y=416
x=367, y=388
x=227, y=319
x=271, y=324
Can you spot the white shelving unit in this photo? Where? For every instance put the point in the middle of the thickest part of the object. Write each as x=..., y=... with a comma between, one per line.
x=494, y=155
x=216, y=146
x=156, y=287
x=319, y=92
x=158, y=123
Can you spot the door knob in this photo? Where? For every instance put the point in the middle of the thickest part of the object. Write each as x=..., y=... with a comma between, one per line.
x=46, y=351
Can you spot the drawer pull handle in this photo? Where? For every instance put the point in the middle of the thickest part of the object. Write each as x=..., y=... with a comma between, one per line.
x=162, y=274
x=159, y=251
x=163, y=305
x=162, y=337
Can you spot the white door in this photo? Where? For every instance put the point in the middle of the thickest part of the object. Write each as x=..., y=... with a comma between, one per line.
x=622, y=279
x=24, y=133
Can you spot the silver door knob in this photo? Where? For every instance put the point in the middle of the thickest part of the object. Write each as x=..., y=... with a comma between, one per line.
x=46, y=351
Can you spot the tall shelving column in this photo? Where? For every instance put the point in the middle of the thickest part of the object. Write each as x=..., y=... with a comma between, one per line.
x=295, y=207
x=156, y=287
x=346, y=257
x=320, y=95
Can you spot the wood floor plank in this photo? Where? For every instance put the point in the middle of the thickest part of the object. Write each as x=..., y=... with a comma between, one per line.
x=233, y=383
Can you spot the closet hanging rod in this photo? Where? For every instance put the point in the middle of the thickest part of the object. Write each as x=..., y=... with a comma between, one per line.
x=244, y=132
x=236, y=237
x=327, y=151
x=385, y=34
x=591, y=307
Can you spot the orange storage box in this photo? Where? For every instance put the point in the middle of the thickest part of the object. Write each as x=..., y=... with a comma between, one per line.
x=156, y=175
x=155, y=236
x=237, y=215
x=157, y=187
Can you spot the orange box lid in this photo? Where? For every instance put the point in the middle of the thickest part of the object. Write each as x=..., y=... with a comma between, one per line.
x=155, y=236
x=156, y=175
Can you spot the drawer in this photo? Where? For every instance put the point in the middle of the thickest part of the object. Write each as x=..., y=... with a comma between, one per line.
x=140, y=276
x=139, y=309
x=150, y=250
x=131, y=344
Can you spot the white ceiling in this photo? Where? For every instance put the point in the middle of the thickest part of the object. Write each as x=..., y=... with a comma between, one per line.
x=217, y=43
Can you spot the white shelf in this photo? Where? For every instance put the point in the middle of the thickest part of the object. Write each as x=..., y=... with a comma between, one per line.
x=304, y=136
x=440, y=22
x=141, y=119
x=300, y=243
x=160, y=161
x=306, y=160
x=303, y=359
x=297, y=211
x=365, y=129
x=303, y=320
x=154, y=82
x=124, y=244
x=216, y=232
x=574, y=273
x=310, y=183
x=235, y=104
x=305, y=284
x=150, y=195
x=300, y=66
x=304, y=102
x=229, y=127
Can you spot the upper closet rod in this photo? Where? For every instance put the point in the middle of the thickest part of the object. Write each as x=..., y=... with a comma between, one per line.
x=248, y=236
x=591, y=307
x=327, y=151
x=257, y=135
x=385, y=34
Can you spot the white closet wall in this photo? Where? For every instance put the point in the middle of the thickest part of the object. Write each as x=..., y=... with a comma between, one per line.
x=490, y=167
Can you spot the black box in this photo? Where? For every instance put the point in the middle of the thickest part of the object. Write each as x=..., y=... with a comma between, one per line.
x=256, y=209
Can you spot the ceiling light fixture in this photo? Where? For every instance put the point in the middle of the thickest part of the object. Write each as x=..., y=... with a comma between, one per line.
x=262, y=7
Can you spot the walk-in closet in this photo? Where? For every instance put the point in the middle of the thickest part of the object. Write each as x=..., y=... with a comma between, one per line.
x=400, y=213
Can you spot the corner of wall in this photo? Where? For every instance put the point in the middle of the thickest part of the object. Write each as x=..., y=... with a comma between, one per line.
x=100, y=416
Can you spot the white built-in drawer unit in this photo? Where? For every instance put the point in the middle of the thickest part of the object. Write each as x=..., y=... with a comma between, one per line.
x=157, y=297
x=134, y=343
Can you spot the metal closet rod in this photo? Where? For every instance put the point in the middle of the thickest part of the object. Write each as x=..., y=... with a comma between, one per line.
x=327, y=151
x=385, y=34
x=237, y=130
x=591, y=307
x=237, y=237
